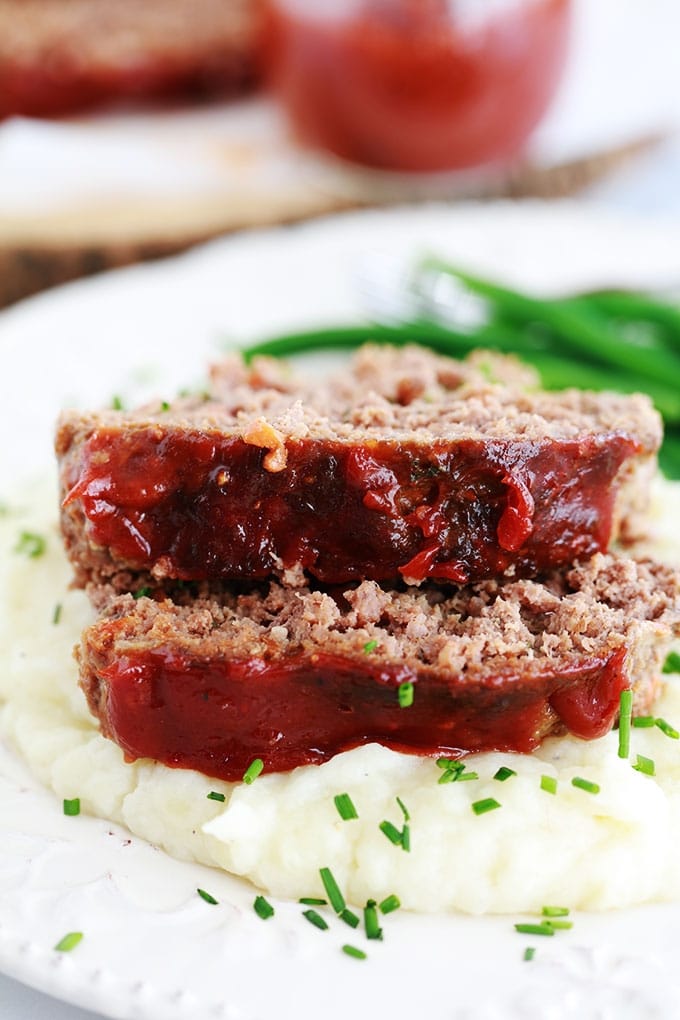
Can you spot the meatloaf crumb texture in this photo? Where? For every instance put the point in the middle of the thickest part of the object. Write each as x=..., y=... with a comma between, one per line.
x=405, y=465
x=295, y=676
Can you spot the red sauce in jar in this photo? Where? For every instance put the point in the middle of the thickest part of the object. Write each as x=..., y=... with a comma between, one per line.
x=409, y=85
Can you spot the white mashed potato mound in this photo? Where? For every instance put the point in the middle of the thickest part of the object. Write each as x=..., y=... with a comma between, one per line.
x=591, y=851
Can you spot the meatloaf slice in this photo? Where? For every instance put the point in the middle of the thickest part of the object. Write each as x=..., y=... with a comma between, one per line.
x=295, y=676
x=404, y=464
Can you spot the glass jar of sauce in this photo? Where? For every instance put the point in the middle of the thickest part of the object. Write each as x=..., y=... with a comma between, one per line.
x=416, y=85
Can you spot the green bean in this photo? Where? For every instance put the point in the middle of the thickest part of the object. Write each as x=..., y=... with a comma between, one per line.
x=631, y=306
x=575, y=325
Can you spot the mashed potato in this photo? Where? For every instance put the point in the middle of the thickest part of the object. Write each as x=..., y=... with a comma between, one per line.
x=593, y=851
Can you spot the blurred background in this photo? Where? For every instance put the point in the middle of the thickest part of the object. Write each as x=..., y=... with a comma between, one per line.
x=130, y=131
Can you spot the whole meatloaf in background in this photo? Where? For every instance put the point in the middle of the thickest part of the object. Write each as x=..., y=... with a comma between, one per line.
x=404, y=466
x=60, y=56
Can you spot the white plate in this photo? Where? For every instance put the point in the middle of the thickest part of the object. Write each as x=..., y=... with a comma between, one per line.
x=153, y=950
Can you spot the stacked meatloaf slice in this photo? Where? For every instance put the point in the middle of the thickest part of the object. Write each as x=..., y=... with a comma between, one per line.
x=388, y=555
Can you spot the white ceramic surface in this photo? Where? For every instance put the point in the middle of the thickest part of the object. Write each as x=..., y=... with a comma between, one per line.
x=152, y=949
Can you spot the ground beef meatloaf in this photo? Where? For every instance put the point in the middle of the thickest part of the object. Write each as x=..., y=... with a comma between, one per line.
x=404, y=465
x=58, y=56
x=295, y=676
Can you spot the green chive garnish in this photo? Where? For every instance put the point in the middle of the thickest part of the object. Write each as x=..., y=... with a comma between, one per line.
x=392, y=832
x=370, y=646
x=406, y=692
x=142, y=593
x=504, y=773
x=585, y=784
x=645, y=765
x=335, y=897
x=667, y=729
x=165, y=406
x=207, y=897
x=535, y=929
x=625, y=712
x=371, y=925
x=644, y=722
x=214, y=795
x=561, y=925
x=253, y=771
x=263, y=908
x=481, y=807
x=549, y=784
x=315, y=919
x=349, y=917
x=672, y=663
x=69, y=942
x=72, y=807
x=30, y=544
x=403, y=809
x=56, y=615
x=390, y=904
x=450, y=764
x=313, y=901
x=116, y=403
x=345, y=806
x=406, y=838
x=555, y=911
x=357, y=954
x=529, y=953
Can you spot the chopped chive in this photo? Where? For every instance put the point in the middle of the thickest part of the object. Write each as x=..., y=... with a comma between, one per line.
x=529, y=953
x=481, y=807
x=30, y=544
x=449, y=776
x=451, y=764
x=585, y=784
x=69, y=942
x=625, y=712
x=504, y=773
x=214, y=795
x=165, y=406
x=549, y=784
x=56, y=615
x=72, y=807
x=672, y=663
x=644, y=722
x=667, y=729
x=315, y=919
x=535, y=929
x=117, y=403
x=335, y=897
x=371, y=925
x=345, y=806
x=207, y=897
x=555, y=911
x=403, y=809
x=406, y=838
x=370, y=646
x=645, y=765
x=313, y=901
x=357, y=954
x=406, y=692
x=561, y=925
x=390, y=904
x=391, y=831
x=462, y=777
x=142, y=593
x=253, y=771
x=263, y=908
x=349, y=917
